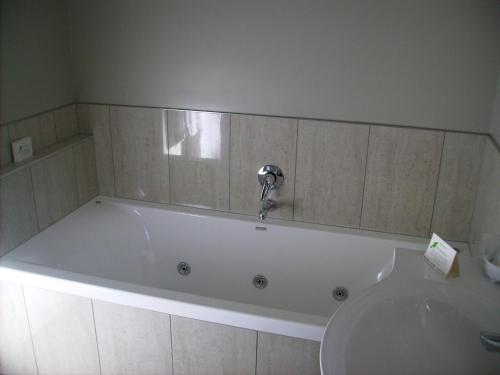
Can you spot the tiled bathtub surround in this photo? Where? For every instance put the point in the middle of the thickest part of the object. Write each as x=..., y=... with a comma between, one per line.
x=382, y=178
x=40, y=192
x=44, y=129
x=54, y=333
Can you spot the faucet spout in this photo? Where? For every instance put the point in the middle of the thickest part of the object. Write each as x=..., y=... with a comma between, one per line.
x=267, y=186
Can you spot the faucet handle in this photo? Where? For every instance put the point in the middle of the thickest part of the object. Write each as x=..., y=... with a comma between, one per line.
x=270, y=177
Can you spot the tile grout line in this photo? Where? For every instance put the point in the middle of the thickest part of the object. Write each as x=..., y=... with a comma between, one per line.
x=34, y=200
x=256, y=350
x=110, y=133
x=295, y=172
x=166, y=114
x=29, y=328
x=229, y=164
x=437, y=186
x=171, y=345
x=476, y=196
x=364, y=178
x=95, y=332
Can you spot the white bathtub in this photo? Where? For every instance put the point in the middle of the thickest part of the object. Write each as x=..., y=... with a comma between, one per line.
x=127, y=252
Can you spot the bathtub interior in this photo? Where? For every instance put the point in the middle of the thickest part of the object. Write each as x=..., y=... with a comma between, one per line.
x=142, y=244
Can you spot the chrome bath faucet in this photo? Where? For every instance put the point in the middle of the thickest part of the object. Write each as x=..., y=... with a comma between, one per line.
x=270, y=177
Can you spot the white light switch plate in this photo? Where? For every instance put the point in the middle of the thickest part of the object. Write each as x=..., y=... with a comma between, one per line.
x=22, y=149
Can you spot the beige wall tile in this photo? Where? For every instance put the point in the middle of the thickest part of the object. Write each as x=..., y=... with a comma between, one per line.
x=5, y=149
x=331, y=160
x=199, y=159
x=208, y=348
x=16, y=349
x=54, y=184
x=85, y=167
x=85, y=114
x=96, y=118
x=66, y=122
x=284, y=355
x=486, y=218
x=29, y=127
x=458, y=180
x=401, y=178
x=41, y=129
x=17, y=210
x=140, y=153
x=256, y=141
x=132, y=341
x=48, y=128
x=63, y=332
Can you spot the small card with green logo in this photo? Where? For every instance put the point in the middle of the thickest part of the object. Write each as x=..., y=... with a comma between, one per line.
x=442, y=256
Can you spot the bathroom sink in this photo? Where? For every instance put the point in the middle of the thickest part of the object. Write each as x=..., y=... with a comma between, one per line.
x=413, y=324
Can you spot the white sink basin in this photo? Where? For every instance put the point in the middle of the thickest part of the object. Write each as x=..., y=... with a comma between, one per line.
x=415, y=323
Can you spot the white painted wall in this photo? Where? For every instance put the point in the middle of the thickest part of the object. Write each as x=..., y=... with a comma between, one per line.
x=35, y=72
x=423, y=63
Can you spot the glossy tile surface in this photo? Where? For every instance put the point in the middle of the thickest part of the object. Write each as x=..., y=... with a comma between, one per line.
x=16, y=348
x=66, y=122
x=284, y=355
x=85, y=167
x=54, y=184
x=208, y=348
x=17, y=210
x=5, y=153
x=95, y=119
x=331, y=160
x=132, y=341
x=458, y=181
x=401, y=178
x=256, y=141
x=140, y=153
x=198, y=144
x=486, y=218
x=63, y=332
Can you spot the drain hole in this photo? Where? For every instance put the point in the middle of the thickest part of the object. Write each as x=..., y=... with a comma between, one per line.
x=260, y=281
x=340, y=293
x=98, y=202
x=184, y=268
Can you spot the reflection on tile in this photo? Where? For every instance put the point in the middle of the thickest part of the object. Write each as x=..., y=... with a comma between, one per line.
x=256, y=141
x=16, y=348
x=17, y=210
x=198, y=145
x=486, y=218
x=85, y=167
x=278, y=354
x=331, y=159
x=66, y=122
x=63, y=332
x=208, y=348
x=95, y=119
x=401, y=178
x=5, y=153
x=47, y=129
x=140, y=153
x=458, y=180
x=54, y=183
x=132, y=341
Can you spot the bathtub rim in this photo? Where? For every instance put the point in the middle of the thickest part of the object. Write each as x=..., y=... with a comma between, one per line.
x=214, y=310
x=237, y=314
